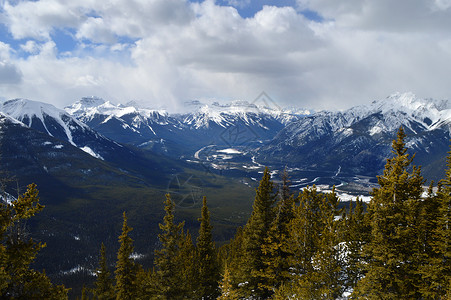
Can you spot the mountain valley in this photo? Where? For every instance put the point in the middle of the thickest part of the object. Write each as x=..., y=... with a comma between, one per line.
x=94, y=160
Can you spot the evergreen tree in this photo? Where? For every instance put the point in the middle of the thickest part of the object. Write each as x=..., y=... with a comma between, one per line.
x=232, y=257
x=436, y=267
x=126, y=269
x=104, y=289
x=392, y=265
x=17, y=252
x=304, y=230
x=315, y=260
x=276, y=252
x=188, y=263
x=356, y=236
x=255, y=233
x=84, y=293
x=168, y=273
x=228, y=292
x=207, y=258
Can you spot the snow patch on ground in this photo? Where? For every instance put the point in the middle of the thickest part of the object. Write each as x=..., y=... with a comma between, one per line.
x=375, y=130
x=230, y=151
x=136, y=256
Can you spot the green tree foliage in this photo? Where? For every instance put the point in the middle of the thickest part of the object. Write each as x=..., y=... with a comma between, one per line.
x=276, y=270
x=168, y=273
x=104, y=289
x=436, y=237
x=84, y=293
x=188, y=263
x=314, y=242
x=303, y=240
x=393, y=214
x=207, y=258
x=255, y=233
x=328, y=260
x=356, y=236
x=17, y=252
x=231, y=255
x=126, y=269
x=228, y=292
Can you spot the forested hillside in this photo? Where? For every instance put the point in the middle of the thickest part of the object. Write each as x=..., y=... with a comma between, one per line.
x=292, y=247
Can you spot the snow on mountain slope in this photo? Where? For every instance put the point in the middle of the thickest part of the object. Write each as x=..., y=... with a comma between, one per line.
x=179, y=134
x=59, y=124
x=227, y=114
x=44, y=117
x=88, y=107
x=359, y=139
x=400, y=108
x=5, y=118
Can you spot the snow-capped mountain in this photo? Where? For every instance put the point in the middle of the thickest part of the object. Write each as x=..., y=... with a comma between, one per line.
x=122, y=123
x=47, y=140
x=180, y=134
x=58, y=124
x=359, y=139
x=34, y=156
x=227, y=115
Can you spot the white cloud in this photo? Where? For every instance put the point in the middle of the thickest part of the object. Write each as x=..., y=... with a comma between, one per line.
x=442, y=4
x=37, y=19
x=169, y=51
x=95, y=29
x=30, y=47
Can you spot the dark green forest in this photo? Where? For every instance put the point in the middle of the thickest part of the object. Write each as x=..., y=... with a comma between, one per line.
x=304, y=246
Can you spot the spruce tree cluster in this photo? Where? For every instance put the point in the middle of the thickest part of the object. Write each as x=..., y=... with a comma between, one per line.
x=182, y=269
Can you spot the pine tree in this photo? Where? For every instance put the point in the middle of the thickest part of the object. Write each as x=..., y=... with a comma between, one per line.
x=168, y=273
x=328, y=258
x=232, y=256
x=126, y=269
x=228, y=292
x=17, y=252
x=392, y=263
x=436, y=234
x=255, y=233
x=315, y=262
x=304, y=230
x=207, y=257
x=188, y=263
x=276, y=252
x=84, y=293
x=356, y=236
x=104, y=289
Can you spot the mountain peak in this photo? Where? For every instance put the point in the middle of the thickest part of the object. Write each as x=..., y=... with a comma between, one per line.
x=19, y=108
x=91, y=101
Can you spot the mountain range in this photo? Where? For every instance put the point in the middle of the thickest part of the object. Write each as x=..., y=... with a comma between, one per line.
x=93, y=160
x=242, y=135
x=358, y=140
x=182, y=134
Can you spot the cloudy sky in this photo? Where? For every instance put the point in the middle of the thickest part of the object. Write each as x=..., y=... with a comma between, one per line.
x=323, y=54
